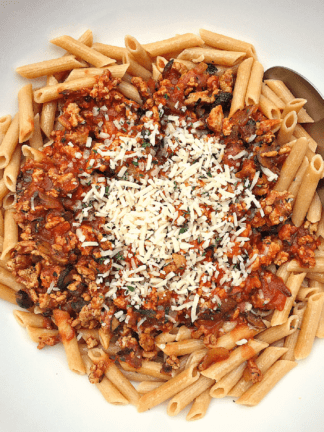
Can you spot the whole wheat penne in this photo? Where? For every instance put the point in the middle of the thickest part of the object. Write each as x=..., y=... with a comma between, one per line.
x=316, y=276
x=9, y=280
x=309, y=326
x=135, y=68
x=189, y=64
x=156, y=74
x=268, y=108
x=295, y=267
x=117, y=71
x=199, y=407
x=183, y=347
x=168, y=389
x=304, y=293
x=106, y=388
x=29, y=319
x=49, y=67
x=242, y=80
x=295, y=184
x=240, y=332
x=9, y=201
x=259, y=390
x=165, y=337
x=36, y=140
x=130, y=92
x=32, y=153
x=307, y=189
x=300, y=132
x=48, y=111
x=5, y=122
x=12, y=169
x=291, y=340
x=1, y=224
x=147, y=386
x=89, y=334
x=110, y=50
x=183, y=334
x=187, y=395
x=293, y=283
x=264, y=361
x=195, y=358
x=315, y=209
x=148, y=368
x=221, y=388
x=26, y=113
x=285, y=94
x=138, y=52
x=83, y=51
x=139, y=377
x=253, y=90
x=238, y=356
x=175, y=43
x=210, y=55
x=9, y=142
x=50, y=93
x=10, y=234
x=287, y=128
x=7, y=294
x=104, y=338
x=291, y=165
x=67, y=333
x=41, y=335
x=273, y=334
x=293, y=105
x=271, y=95
x=226, y=43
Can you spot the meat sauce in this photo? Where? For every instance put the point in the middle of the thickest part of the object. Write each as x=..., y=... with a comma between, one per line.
x=59, y=272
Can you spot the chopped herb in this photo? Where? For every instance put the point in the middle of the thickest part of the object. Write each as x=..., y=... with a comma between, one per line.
x=135, y=163
x=119, y=257
x=141, y=175
x=209, y=174
x=178, y=88
x=123, y=129
x=107, y=190
x=131, y=288
x=155, y=162
x=146, y=144
x=95, y=151
x=183, y=230
x=166, y=96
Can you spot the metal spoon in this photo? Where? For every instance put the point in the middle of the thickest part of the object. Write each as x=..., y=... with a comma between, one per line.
x=302, y=88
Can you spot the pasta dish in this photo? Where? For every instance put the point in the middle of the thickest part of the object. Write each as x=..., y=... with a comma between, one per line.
x=163, y=223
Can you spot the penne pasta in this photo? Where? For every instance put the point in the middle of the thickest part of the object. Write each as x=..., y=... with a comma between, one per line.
x=173, y=44
x=307, y=189
x=184, y=397
x=291, y=165
x=36, y=141
x=218, y=370
x=223, y=386
x=168, y=389
x=273, y=334
x=10, y=234
x=309, y=326
x=49, y=67
x=210, y=55
x=26, y=113
x=7, y=294
x=287, y=128
x=67, y=334
x=226, y=43
x=253, y=90
x=11, y=171
x=48, y=111
x=9, y=142
x=293, y=283
x=242, y=80
x=138, y=52
x=81, y=50
x=199, y=407
x=135, y=68
x=259, y=390
x=291, y=340
x=50, y=93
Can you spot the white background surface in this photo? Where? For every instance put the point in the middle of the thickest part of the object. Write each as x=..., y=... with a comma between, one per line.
x=37, y=391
